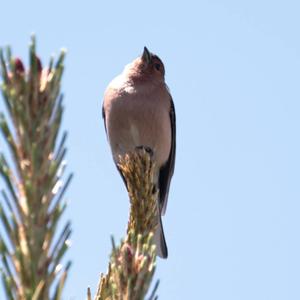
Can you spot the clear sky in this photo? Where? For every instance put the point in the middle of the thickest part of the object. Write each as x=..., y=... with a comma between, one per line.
x=233, y=68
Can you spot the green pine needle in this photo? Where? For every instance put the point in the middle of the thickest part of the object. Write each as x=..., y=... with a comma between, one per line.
x=133, y=262
x=31, y=205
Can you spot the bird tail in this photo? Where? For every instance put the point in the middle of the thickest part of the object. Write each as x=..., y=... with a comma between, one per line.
x=160, y=241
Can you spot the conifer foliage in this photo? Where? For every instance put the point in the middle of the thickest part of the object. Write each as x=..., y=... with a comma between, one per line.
x=32, y=201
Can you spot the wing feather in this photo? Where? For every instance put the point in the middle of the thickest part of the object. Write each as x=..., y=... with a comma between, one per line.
x=167, y=170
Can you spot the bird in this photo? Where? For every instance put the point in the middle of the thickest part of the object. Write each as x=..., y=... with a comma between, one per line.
x=138, y=112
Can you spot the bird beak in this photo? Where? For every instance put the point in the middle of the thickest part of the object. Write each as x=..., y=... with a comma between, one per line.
x=146, y=55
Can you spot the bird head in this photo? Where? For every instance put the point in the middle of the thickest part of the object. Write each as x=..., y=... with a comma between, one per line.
x=152, y=63
x=148, y=67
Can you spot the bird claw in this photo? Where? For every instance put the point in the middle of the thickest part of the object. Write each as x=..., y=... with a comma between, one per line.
x=146, y=148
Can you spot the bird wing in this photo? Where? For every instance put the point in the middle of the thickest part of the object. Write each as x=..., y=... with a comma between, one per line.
x=167, y=170
x=103, y=116
x=104, y=119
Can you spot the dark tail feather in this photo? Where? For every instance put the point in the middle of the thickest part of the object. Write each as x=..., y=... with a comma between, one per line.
x=160, y=241
x=159, y=236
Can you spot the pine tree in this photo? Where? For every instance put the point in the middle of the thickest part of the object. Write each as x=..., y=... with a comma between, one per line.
x=132, y=264
x=32, y=203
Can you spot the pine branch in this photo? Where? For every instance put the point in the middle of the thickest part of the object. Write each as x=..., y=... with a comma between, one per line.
x=132, y=263
x=32, y=202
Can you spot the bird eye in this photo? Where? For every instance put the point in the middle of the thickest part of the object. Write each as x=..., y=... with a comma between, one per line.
x=157, y=66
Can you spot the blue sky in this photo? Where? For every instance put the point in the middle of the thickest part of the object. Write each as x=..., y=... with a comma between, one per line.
x=233, y=67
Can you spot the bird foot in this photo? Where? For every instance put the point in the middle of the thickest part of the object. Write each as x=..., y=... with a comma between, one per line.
x=146, y=148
